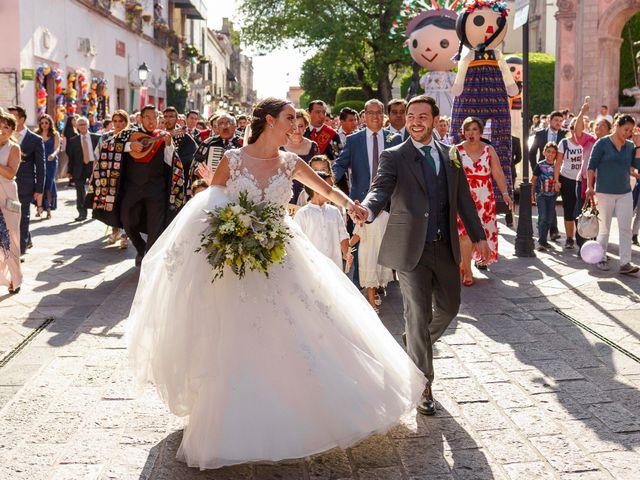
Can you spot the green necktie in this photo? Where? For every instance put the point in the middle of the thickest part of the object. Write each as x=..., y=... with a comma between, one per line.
x=427, y=156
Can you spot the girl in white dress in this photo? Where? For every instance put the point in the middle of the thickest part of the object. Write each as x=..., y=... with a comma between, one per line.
x=372, y=274
x=264, y=368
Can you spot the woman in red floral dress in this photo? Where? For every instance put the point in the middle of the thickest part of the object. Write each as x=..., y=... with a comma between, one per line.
x=481, y=163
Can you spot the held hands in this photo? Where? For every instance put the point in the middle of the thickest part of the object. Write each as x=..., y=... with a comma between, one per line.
x=557, y=187
x=357, y=212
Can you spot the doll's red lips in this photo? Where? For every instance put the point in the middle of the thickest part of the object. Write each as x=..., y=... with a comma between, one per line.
x=429, y=59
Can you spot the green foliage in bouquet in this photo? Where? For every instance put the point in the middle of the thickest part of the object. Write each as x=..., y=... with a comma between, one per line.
x=245, y=235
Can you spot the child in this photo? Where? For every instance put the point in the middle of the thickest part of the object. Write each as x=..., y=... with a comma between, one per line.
x=198, y=186
x=372, y=275
x=319, y=163
x=545, y=195
x=324, y=225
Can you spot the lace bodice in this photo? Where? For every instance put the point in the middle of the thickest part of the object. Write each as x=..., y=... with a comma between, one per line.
x=274, y=186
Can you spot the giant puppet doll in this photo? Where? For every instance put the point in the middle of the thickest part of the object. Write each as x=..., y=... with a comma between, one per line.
x=484, y=83
x=432, y=42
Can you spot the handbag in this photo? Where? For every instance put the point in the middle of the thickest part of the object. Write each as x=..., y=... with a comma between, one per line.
x=13, y=205
x=588, y=225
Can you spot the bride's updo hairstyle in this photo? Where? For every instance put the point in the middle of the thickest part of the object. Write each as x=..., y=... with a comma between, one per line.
x=269, y=106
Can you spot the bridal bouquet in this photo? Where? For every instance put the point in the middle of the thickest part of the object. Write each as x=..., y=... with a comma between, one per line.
x=245, y=235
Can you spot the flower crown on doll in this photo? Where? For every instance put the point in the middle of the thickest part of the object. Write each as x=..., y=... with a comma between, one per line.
x=418, y=11
x=469, y=7
x=495, y=5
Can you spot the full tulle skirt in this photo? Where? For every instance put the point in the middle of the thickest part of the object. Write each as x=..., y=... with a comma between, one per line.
x=265, y=369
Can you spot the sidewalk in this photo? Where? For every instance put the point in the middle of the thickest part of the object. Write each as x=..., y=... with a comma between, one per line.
x=523, y=392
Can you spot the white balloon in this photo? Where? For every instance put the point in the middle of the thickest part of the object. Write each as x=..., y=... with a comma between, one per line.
x=591, y=252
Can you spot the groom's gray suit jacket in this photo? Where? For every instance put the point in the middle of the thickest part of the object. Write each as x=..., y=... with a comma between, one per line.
x=402, y=180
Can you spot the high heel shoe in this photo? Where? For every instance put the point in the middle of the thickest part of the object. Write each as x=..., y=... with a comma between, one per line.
x=12, y=290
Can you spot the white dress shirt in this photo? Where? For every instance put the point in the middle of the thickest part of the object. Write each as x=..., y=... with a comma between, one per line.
x=21, y=135
x=400, y=132
x=380, y=139
x=92, y=156
x=434, y=154
x=324, y=226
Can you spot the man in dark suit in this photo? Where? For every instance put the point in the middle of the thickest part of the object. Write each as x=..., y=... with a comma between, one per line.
x=30, y=175
x=554, y=133
x=361, y=153
x=186, y=145
x=397, y=110
x=80, y=150
x=326, y=137
x=427, y=192
x=144, y=206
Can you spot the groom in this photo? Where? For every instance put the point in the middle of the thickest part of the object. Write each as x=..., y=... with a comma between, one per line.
x=427, y=192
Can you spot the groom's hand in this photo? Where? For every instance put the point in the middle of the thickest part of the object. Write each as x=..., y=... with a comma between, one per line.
x=483, y=249
x=358, y=213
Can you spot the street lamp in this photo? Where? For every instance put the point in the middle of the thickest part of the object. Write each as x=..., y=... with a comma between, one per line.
x=208, y=97
x=143, y=72
x=178, y=85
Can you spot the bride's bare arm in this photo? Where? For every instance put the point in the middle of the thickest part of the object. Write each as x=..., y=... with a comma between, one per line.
x=222, y=173
x=305, y=175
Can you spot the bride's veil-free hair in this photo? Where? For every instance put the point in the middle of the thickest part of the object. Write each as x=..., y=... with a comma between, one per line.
x=269, y=106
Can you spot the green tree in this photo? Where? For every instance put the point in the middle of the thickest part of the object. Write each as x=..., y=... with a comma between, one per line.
x=627, y=61
x=356, y=32
x=323, y=74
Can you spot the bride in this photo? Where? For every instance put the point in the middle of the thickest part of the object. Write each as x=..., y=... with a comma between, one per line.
x=272, y=368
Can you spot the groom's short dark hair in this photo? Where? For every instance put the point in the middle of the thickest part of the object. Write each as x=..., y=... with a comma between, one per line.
x=435, y=111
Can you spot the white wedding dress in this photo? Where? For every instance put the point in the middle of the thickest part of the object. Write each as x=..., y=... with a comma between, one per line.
x=265, y=368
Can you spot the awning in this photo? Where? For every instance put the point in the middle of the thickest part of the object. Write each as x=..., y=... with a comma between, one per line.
x=194, y=9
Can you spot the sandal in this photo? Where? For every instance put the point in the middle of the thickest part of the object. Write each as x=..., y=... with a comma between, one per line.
x=12, y=290
x=467, y=282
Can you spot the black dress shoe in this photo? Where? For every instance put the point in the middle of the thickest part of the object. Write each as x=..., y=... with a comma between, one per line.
x=80, y=218
x=138, y=260
x=426, y=405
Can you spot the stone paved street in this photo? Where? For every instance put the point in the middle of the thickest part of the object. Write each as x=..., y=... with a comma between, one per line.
x=523, y=392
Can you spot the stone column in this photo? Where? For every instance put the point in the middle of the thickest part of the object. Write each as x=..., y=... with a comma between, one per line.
x=565, y=54
x=609, y=55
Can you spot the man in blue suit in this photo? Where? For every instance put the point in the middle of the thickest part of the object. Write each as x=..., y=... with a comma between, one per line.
x=30, y=176
x=362, y=150
x=361, y=155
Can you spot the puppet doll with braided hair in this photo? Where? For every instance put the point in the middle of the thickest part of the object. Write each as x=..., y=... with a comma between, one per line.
x=484, y=84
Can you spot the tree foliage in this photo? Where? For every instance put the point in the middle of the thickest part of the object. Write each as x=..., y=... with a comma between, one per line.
x=627, y=60
x=323, y=74
x=355, y=31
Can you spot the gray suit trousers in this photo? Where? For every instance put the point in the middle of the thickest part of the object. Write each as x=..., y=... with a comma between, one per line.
x=431, y=298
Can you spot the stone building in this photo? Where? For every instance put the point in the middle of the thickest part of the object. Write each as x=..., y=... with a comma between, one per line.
x=589, y=37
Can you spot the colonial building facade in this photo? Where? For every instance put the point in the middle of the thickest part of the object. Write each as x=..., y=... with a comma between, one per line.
x=589, y=37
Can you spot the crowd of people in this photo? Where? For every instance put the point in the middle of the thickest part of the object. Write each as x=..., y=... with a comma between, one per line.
x=133, y=163
x=587, y=163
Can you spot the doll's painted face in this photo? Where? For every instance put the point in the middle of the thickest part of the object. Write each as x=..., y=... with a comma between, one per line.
x=482, y=24
x=432, y=48
x=516, y=71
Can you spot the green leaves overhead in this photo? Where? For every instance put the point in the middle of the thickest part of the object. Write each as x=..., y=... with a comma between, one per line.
x=354, y=33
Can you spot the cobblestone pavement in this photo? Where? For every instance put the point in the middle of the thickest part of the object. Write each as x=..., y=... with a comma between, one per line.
x=523, y=392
